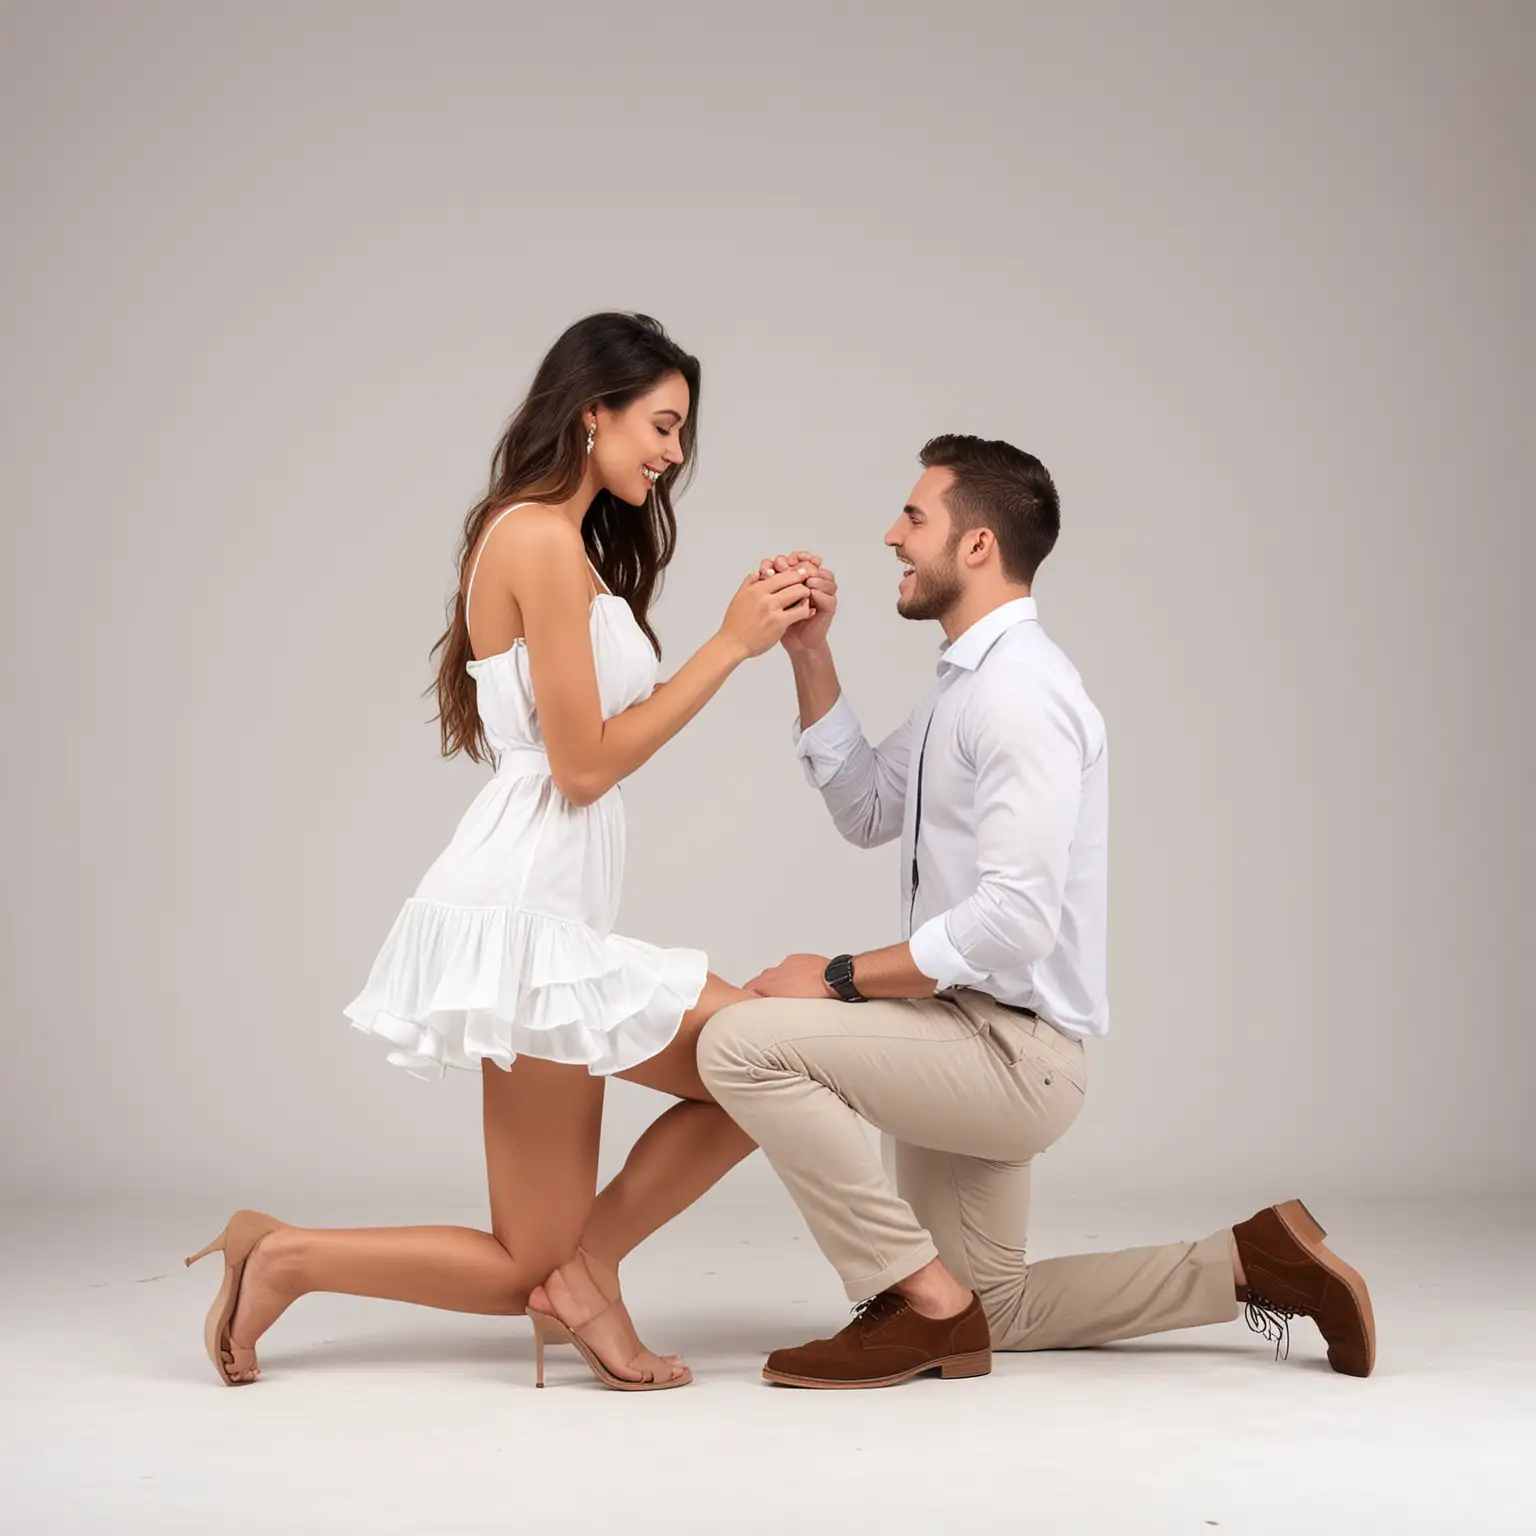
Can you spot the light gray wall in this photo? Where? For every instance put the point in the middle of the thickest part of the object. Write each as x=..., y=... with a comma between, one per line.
x=1254, y=280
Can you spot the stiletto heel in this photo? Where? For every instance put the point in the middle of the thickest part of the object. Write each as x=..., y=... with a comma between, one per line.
x=546, y=1330
x=236, y=1242
x=216, y=1246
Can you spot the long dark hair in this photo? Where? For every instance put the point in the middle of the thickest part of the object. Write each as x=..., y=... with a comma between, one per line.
x=610, y=358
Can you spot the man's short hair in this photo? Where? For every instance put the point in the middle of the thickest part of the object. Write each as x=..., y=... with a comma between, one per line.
x=1000, y=487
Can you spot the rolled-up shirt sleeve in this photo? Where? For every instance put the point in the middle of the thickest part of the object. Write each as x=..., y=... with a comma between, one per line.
x=864, y=787
x=1028, y=753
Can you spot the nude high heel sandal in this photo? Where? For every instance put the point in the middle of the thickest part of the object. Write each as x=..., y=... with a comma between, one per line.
x=548, y=1329
x=235, y=1242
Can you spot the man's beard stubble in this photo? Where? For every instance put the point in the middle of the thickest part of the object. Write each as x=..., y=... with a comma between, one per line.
x=934, y=591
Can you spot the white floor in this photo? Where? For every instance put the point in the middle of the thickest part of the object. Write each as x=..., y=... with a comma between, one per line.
x=379, y=1418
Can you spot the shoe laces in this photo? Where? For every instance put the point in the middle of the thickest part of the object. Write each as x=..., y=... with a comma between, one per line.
x=877, y=1308
x=1271, y=1322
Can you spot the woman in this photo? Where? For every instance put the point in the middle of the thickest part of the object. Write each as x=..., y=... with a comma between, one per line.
x=505, y=961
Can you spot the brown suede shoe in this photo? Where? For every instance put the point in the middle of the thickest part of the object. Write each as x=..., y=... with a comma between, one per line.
x=887, y=1342
x=1290, y=1274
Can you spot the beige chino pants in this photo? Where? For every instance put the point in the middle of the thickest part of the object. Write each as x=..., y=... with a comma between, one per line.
x=971, y=1092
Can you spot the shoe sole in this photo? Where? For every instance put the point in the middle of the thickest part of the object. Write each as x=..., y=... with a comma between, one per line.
x=1309, y=1233
x=226, y=1302
x=950, y=1368
x=219, y=1314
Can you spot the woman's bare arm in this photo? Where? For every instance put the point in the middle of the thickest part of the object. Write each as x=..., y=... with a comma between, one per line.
x=544, y=565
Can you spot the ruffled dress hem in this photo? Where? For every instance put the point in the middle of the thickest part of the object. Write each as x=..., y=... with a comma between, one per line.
x=456, y=986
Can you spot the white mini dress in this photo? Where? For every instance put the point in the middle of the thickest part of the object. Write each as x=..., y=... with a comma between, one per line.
x=507, y=948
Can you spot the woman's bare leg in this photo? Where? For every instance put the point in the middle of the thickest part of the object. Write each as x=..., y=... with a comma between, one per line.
x=542, y=1124
x=460, y=1269
x=541, y=1142
x=682, y=1154
x=542, y=1121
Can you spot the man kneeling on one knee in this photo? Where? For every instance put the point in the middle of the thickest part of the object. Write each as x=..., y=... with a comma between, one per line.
x=965, y=1042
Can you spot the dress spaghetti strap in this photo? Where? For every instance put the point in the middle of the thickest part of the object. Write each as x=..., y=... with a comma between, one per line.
x=485, y=538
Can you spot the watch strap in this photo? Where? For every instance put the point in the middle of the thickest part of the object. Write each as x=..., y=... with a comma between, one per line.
x=839, y=976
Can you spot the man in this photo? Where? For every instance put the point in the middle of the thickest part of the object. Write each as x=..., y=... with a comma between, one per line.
x=965, y=1042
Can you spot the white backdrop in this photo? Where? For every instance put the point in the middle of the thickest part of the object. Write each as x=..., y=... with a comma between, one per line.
x=1253, y=281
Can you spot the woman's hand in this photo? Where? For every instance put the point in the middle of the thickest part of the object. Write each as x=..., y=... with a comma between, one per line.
x=764, y=609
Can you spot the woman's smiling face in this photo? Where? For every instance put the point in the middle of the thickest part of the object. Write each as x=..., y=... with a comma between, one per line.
x=635, y=446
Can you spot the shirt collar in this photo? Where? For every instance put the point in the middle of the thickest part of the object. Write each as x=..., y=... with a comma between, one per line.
x=967, y=651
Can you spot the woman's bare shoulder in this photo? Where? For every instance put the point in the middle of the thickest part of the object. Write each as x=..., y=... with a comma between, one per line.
x=533, y=541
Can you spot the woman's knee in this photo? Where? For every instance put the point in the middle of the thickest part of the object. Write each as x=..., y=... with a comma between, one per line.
x=536, y=1248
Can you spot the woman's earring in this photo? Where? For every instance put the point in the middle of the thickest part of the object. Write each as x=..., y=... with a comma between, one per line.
x=591, y=433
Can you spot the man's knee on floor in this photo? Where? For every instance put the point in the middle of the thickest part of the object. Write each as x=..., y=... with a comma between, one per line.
x=1002, y=1300
x=741, y=1041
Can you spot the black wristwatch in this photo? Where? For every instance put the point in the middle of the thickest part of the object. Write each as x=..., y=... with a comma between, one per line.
x=839, y=976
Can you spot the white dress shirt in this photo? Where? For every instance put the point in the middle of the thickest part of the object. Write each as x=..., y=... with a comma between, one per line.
x=1013, y=877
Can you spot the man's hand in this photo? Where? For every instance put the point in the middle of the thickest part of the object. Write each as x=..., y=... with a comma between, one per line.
x=809, y=634
x=795, y=976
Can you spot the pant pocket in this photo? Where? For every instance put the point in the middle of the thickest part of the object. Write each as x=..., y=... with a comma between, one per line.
x=1011, y=1039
